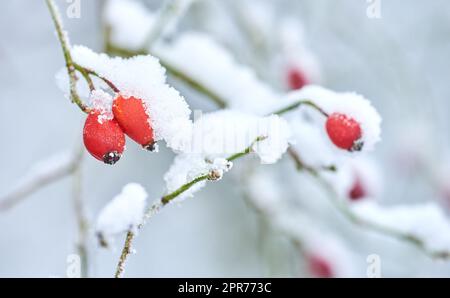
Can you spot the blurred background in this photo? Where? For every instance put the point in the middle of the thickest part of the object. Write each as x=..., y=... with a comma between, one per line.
x=399, y=59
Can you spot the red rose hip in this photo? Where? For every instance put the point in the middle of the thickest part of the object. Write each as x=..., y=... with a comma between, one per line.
x=344, y=132
x=132, y=116
x=296, y=79
x=103, y=138
x=319, y=267
x=358, y=191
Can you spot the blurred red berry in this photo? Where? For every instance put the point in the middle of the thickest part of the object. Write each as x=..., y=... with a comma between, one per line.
x=103, y=138
x=358, y=191
x=133, y=118
x=296, y=78
x=344, y=132
x=319, y=267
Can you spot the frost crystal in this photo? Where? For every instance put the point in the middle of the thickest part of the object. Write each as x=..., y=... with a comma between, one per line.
x=124, y=213
x=143, y=77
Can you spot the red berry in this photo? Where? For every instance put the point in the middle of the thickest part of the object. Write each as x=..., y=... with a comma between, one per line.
x=103, y=138
x=344, y=132
x=319, y=267
x=133, y=118
x=296, y=79
x=358, y=191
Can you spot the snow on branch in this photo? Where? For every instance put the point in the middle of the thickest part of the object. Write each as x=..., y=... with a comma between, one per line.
x=221, y=165
x=349, y=104
x=129, y=23
x=124, y=213
x=218, y=134
x=192, y=53
x=266, y=196
x=426, y=224
x=134, y=27
x=41, y=174
x=143, y=77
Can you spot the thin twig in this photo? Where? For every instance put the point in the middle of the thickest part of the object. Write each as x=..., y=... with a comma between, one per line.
x=170, y=12
x=87, y=72
x=172, y=70
x=299, y=103
x=82, y=220
x=126, y=251
x=362, y=222
x=195, y=84
x=302, y=166
x=67, y=56
x=39, y=178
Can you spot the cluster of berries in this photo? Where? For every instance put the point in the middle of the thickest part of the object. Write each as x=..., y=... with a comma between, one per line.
x=104, y=137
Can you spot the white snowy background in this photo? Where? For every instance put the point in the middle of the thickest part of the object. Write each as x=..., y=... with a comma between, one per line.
x=401, y=62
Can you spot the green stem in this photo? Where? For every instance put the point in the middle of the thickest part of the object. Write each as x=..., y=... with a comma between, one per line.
x=299, y=103
x=168, y=198
x=198, y=86
x=86, y=72
x=126, y=251
x=171, y=69
x=67, y=57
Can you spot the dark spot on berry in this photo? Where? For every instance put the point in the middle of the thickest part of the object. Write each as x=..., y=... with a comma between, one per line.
x=357, y=146
x=111, y=157
x=150, y=147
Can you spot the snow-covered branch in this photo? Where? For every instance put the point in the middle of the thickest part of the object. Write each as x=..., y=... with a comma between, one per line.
x=166, y=19
x=415, y=230
x=211, y=176
x=63, y=39
x=40, y=175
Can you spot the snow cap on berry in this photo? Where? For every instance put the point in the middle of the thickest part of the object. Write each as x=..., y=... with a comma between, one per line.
x=101, y=102
x=143, y=77
x=344, y=132
x=103, y=137
x=353, y=106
